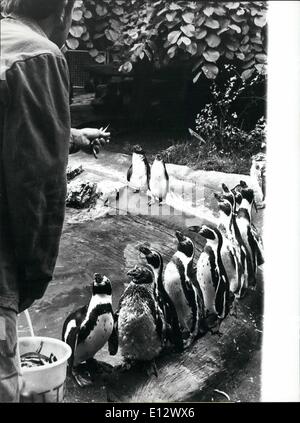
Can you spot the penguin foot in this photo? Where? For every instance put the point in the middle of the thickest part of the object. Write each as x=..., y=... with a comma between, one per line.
x=188, y=342
x=83, y=379
x=125, y=366
x=152, y=370
x=234, y=309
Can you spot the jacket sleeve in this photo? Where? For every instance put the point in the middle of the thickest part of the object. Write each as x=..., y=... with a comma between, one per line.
x=35, y=152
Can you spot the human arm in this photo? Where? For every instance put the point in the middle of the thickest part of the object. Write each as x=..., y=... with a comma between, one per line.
x=35, y=152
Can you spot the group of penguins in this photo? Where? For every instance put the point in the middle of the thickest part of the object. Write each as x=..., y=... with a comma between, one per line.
x=173, y=305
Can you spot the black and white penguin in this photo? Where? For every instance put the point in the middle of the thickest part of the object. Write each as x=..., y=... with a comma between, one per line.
x=155, y=261
x=234, y=198
x=181, y=286
x=232, y=253
x=159, y=180
x=138, y=174
x=88, y=329
x=258, y=172
x=249, y=234
x=140, y=320
x=212, y=278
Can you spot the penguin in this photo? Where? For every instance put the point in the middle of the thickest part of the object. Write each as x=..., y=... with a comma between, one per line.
x=159, y=181
x=212, y=278
x=173, y=333
x=181, y=286
x=258, y=172
x=234, y=198
x=232, y=254
x=140, y=320
x=138, y=174
x=249, y=234
x=88, y=329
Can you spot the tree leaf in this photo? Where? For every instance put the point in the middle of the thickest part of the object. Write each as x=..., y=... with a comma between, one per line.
x=188, y=30
x=72, y=43
x=210, y=71
x=245, y=29
x=85, y=36
x=76, y=31
x=172, y=51
x=261, y=69
x=111, y=35
x=229, y=55
x=261, y=58
x=170, y=16
x=88, y=14
x=118, y=11
x=213, y=40
x=101, y=10
x=201, y=34
x=174, y=6
x=192, y=48
x=211, y=55
x=240, y=55
x=248, y=65
x=212, y=23
x=188, y=17
x=260, y=21
x=94, y=52
x=184, y=40
x=77, y=15
x=173, y=36
x=101, y=58
x=232, y=5
x=236, y=28
x=208, y=11
x=247, y=74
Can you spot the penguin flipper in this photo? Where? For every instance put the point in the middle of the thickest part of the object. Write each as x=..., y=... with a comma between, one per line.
x=113, y=342
x=129, y=173
x=222, y=299
x=72, y=340
x=148, y=170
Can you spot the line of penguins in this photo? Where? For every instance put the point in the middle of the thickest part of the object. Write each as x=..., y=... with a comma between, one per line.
x=171, y=306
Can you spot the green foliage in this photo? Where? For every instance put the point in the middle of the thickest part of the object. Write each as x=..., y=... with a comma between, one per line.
x=204, y=32
x=221, y=124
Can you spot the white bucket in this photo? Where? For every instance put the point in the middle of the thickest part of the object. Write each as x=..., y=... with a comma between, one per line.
x=45, y=383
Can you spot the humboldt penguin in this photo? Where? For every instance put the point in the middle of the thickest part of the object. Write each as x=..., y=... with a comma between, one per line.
x=232, y=253
x=88, y=329
x=249, y=235
x=234, y=198
x=155, y=261
x=180, y=283
x=140, y=321
x=258, y=172
x=138, y=174
x=212, y=278
x=159, y=180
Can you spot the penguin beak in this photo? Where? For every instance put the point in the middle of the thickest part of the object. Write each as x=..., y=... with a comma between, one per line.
x=225, y=188
x=218, y=197
x=145, y=250
x=206, y=232
x=179, y=236
x=132, y=272
x=98, y=279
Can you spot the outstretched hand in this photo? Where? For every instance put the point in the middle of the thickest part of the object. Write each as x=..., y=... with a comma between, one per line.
x=90, y=139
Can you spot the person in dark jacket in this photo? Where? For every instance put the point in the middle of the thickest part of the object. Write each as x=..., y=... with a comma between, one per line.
x=35, y=139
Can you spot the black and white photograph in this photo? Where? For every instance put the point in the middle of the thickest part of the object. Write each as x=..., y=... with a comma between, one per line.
x=149, y=203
